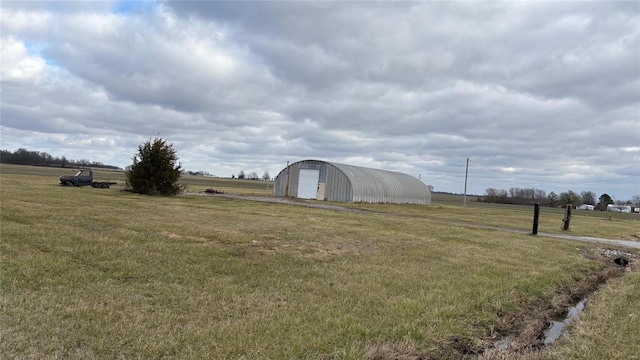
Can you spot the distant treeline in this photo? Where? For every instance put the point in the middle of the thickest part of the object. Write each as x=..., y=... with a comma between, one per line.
x=520, y=196
x=515, y=196
x=36, y=158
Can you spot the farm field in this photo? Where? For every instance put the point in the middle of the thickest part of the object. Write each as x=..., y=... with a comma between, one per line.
x=583, y=222
x=191, y=182
x=101, y=273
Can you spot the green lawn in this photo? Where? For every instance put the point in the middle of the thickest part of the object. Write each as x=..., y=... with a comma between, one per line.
x=101, y=273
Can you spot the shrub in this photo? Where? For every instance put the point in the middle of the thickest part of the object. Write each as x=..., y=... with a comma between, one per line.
x=154, y=170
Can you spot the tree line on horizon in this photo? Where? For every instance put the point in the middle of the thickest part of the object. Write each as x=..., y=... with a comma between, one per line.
x=530, y=196
x=36, y=158
x=252, y=176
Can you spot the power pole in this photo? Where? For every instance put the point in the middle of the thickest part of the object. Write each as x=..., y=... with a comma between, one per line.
x=466, y=175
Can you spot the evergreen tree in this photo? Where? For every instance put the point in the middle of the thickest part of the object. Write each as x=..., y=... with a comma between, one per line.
x=570, y=197
x=603, y=201
x=154, y=170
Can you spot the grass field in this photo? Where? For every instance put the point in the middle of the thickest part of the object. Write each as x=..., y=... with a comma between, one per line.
x=101, y=273
x=583, y=223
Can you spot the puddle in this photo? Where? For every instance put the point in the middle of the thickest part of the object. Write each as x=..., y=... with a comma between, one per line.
x=555, y=329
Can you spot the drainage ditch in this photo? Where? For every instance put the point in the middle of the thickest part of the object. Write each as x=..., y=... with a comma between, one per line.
x=546, y=322
x=557, y=325
x=522, y=335
x=542, y=321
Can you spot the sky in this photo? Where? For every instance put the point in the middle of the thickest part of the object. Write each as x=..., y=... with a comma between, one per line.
x=535, y=94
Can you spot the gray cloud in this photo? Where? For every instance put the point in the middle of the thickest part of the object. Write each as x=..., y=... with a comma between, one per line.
x=536, y=94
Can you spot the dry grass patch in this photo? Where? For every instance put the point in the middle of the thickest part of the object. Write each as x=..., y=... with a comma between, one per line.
x=583, y=223
x=92, y=273
x=405, y=350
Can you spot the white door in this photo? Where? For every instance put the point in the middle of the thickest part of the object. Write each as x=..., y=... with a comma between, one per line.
x=308, y=183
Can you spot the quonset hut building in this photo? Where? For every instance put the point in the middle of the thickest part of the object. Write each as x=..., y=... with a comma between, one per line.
x=322, y=180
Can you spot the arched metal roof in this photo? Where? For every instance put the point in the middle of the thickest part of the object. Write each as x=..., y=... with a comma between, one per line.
x=375, y=185
x=356, y=183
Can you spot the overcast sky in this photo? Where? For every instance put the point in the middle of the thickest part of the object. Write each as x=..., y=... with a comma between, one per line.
x=536, y=94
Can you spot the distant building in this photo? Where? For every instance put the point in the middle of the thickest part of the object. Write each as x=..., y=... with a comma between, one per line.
x=322, y=180
x=586, y=207
x=619, y=208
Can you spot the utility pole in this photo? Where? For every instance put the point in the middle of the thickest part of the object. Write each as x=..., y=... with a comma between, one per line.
x=466, y=175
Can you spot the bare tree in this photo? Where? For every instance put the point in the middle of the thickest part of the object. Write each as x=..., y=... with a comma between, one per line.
x=266, y=176
x=491, y=195
x=500, y=196
x=588, y=197
x=540, y=196
x=526, y=196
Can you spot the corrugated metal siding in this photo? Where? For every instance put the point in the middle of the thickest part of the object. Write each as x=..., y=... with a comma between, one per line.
x=382, y=186
x=280, y=182
x=348, y=183
x=338, y=186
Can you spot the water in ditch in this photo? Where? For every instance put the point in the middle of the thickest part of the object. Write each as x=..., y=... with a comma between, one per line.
x=555, y=328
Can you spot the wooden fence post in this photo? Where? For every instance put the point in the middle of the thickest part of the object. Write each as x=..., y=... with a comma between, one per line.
x=567, y=218
x=536, y=217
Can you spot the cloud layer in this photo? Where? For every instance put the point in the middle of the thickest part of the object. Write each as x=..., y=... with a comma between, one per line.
x=542, y=95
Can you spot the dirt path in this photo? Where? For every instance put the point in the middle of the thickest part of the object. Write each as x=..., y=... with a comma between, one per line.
x=296, y=202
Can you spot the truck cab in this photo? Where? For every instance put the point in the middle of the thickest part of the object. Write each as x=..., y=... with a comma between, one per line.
x=81, y=178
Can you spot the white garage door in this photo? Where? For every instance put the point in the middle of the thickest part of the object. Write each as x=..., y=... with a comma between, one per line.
x=308, y=183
